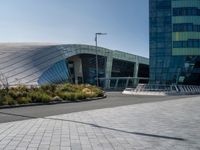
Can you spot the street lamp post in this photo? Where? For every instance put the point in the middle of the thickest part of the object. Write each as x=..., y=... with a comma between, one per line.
x=97, y=67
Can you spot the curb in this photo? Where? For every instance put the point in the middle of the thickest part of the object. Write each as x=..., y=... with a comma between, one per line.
x=52, y=103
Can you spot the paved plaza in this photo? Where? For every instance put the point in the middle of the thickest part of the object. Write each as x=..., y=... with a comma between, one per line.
x=167, y=125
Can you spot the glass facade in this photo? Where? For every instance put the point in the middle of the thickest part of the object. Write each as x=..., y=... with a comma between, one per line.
x=89, y=65
x=122, y=68
x=57, y=73
x=143, y=71
x=174, y=41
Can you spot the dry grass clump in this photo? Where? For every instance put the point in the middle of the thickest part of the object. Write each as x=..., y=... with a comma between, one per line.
x=48, y=93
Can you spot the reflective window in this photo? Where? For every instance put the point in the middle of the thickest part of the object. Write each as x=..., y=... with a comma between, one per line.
x=89, y=68
x=186, y=27
x=122, y=68
x=191, y=43
x=186, y=11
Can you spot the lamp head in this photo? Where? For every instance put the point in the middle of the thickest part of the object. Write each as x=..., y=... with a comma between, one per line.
x=101, y=33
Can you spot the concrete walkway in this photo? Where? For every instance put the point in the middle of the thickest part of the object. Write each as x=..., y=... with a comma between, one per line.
x=168, y=125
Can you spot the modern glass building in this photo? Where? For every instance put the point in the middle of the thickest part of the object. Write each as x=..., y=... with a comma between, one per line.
x=37, y=64
x=174, y=41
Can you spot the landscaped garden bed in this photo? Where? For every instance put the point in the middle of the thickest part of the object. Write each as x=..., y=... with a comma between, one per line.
x=21, y=94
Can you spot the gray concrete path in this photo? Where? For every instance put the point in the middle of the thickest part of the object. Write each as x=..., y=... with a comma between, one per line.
x=168, y=125
x=114, y=99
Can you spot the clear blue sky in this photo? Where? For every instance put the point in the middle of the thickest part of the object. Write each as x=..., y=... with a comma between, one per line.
x=76, y=21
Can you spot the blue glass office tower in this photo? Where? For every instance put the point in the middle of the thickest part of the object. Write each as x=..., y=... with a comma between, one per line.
x=174, y=41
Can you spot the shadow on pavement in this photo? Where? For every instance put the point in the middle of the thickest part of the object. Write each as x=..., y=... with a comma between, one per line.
x=98, y=126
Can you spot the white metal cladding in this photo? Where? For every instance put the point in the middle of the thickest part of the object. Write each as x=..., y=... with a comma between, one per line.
x=25, y=63
x=75, y=49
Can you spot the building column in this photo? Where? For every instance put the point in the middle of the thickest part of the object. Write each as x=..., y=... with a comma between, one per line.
x=77, y=68
x=127, y=81
x=116, y=83
x=135, y=72
x=108, y=69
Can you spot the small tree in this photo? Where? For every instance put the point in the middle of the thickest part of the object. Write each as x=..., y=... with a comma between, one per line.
x=4, y=81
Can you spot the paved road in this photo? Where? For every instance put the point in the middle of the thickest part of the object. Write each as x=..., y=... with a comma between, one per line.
x=113, y=99
x=166, y=125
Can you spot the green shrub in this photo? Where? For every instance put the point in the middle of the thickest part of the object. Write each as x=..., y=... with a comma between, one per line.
x=45, y=98
x=39, y=96
x=21, y=88
x=90, y=95
x=63, y=95
x=17, y=94
x=46, y=93
x=24, y=100
x=49, y=89
x=81, y=95
x=72, y=96
x=56, y=98
x=98, y=92
x=68, y=96
x=7, y=100
x=3, y=92
x=66, y=88
x=33, y=95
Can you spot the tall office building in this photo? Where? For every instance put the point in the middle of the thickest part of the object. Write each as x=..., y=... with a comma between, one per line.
x=174, y=41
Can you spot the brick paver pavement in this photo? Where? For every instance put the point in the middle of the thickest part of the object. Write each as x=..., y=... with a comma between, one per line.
x=169, y=125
